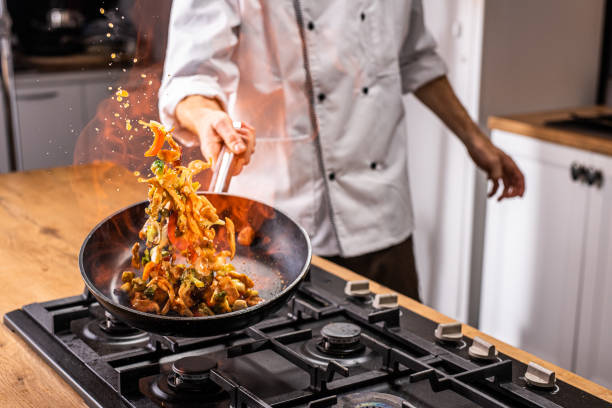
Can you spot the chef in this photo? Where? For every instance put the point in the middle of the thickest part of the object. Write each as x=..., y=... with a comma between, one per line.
x=321, y=83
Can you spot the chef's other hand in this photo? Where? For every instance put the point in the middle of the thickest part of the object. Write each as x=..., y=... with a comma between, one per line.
x=498, y=166
x=214, y=127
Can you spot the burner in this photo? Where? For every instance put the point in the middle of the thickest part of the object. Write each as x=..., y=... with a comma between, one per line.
x=192, y=374
x=109, y=333
x=187, y=385
x=340, y=339
x=372, y=400
x=339, y=342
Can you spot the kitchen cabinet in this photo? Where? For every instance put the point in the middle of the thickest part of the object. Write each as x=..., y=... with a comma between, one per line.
x=50, y=121
x=546, y=258
x=52, y=111
x=594, y=334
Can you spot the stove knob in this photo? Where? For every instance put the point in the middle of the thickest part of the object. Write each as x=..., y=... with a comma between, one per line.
x=360, y=288
x=385, y=300
x=539, y=377
x=482, y=350
x=449, y=332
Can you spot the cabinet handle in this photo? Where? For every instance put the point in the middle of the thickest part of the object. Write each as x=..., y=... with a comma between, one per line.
x=577, y=171
x=594, y=177
x=37, y=96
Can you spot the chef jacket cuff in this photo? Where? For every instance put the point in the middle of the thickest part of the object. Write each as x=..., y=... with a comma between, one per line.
x=425, y=68
x=178, y=88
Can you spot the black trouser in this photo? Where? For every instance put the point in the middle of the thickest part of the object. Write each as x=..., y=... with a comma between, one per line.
x=393, y=267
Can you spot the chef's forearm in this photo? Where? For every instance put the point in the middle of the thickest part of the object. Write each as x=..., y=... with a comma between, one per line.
x=438, y=95
x=191, y=109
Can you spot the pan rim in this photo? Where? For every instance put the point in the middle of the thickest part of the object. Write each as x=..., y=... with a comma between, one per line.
x=251, y=309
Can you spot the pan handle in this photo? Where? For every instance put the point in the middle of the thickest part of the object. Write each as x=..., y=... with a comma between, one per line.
x=223, y=168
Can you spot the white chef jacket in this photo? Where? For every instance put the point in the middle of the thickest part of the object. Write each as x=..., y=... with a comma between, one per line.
x=342, y=175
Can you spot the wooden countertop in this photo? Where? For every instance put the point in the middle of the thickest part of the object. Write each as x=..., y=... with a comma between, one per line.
x=47, y=214
x=534, y=125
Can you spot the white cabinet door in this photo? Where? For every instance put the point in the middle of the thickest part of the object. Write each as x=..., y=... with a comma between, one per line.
x=533, y=253
x=594, y=331
x=50, y=121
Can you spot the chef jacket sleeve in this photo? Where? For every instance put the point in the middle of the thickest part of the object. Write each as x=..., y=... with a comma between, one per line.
x=419, y=62
x=201, y=39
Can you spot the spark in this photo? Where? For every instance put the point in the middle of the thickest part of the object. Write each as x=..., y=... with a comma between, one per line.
x=111, y=25
x=108, y=35
x=101, y=10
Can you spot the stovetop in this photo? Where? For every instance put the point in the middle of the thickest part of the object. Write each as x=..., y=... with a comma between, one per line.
x=323, y=349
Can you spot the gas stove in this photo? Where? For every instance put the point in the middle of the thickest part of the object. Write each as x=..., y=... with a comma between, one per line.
x=333, y=345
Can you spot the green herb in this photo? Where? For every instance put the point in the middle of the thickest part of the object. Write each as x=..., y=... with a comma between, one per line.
x=189, y=278
x=158, y=167
x=150, y=291
x=146, y=258
x=219, y=296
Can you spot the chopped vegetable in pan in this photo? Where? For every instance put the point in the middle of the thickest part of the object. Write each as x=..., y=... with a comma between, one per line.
x=182, y=271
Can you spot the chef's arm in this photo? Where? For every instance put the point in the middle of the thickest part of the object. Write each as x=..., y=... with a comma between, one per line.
x=438, y=95
x=199, y=74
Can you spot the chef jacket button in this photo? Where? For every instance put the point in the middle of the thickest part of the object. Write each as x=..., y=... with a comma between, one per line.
x=321, y=97
x=362, y=16
x=310, y=25
x=365, y=90
x=373, y=165
x=332, y=176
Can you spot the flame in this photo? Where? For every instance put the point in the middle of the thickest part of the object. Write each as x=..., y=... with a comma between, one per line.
x=115, y=141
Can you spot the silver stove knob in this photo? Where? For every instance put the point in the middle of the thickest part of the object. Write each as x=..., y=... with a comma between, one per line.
x=482, y=350
x=540, y=377
x=360, y=288
x=449, y=332
x=385, y=300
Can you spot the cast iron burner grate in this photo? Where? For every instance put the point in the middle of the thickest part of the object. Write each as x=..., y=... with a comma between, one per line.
x=322, y=350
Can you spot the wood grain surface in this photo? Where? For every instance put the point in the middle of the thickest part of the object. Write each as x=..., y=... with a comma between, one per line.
x=534, y=125
x=46, y=215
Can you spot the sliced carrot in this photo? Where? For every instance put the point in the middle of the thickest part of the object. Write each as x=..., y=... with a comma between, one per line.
x=179, y=243
x=158, y=142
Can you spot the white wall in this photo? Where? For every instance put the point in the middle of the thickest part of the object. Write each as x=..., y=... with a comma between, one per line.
x=441, y=173
x=539, y=55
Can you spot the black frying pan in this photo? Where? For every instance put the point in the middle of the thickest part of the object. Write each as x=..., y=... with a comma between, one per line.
x=277, y=260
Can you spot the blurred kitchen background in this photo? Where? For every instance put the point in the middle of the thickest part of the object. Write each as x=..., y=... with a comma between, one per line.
x=535, y=272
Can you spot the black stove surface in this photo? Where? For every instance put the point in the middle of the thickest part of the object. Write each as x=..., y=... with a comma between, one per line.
x=323, y=349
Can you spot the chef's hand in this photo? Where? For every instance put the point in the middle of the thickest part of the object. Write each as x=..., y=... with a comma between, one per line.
x=438, y=95
x=498, y=166
x=214, y=127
